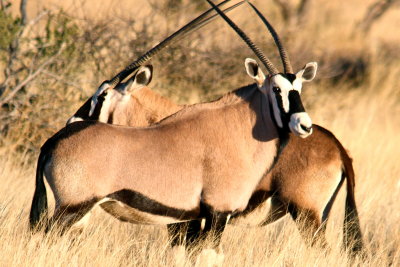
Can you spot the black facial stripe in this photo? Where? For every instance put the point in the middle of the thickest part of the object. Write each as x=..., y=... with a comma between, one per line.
x=279, y=101
x=96, y=113
x=284, y=115
x=295, y=104
x=289, y=76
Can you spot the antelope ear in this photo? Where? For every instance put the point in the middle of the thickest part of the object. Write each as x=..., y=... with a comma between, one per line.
x=141, y=78
x=254, y=71
x=307, y=74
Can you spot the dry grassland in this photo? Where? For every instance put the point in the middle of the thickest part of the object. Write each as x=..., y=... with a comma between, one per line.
x=365, y=118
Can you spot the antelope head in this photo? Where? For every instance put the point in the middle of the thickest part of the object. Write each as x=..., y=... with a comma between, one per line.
x=116, y=101
x=118, y=104
x=281, y=88
x=113, y=96
x=121, y=99
x=283, y=91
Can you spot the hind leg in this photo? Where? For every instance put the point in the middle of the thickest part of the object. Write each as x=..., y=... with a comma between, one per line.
x=71, y=216
x=312, y=221
x=311, y=226
x=277, y=211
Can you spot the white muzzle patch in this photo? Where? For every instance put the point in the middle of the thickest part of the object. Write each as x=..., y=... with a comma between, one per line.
x=300, y=124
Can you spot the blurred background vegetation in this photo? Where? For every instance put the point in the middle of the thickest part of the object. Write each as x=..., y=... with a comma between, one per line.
x=54, y=55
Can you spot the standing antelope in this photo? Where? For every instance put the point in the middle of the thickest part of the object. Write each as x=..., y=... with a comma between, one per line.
x=319, y=140
x=202, y=162
x=305, y=178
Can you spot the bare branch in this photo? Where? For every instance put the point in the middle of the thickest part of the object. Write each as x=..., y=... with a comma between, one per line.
x=375, y=11
x=61, y=79
x=3, y=5
x=30, y=77
x=303, y=10
x=22, y=10
x=286, y=9
x=294, y=14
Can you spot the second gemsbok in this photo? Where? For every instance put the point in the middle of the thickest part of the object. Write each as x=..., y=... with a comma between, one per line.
x=202, y=162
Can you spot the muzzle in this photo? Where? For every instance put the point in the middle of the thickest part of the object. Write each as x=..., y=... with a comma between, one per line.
x=299, y=122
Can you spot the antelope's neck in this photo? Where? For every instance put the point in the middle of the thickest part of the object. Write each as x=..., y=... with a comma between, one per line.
x=159, y=106
x=265, y=133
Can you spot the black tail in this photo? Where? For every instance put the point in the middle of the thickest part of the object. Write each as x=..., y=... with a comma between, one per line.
x=38, y=214
x=352, y=237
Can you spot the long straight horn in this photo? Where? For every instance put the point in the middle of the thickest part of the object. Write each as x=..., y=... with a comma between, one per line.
x=147, y=56
x=267, y=63
x=282, y=51
x=189, y=27
x=210, y=19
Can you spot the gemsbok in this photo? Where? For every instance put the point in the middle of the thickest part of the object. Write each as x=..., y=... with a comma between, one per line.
x=304, y=181
x=315, y=157
x=319, y=161
x=202, y=162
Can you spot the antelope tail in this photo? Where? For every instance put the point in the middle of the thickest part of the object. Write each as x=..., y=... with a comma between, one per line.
x=352, y=237
x=38, y=214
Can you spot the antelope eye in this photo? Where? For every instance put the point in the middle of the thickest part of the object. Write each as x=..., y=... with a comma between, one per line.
x=276, y=89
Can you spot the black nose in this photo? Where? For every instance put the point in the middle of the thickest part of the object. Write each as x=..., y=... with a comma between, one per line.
x=307, y=129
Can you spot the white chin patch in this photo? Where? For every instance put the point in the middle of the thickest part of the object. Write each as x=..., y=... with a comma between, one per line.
x=300, y=123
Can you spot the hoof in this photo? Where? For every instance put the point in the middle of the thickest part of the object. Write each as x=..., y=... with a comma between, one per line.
x=178, y=256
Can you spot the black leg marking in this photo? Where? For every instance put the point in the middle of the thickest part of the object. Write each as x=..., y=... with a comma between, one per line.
x=215, y=223
x=277, y=211
x=310, y=227
x=327, y=210
x=176, y=233
x=194, y=233
x=65, y=217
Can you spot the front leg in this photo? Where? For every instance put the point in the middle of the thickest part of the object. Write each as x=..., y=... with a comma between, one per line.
x=185, y=233
x=215, y=224
x=176, y=233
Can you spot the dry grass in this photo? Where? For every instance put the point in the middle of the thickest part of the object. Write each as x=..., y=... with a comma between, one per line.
x=365, y=118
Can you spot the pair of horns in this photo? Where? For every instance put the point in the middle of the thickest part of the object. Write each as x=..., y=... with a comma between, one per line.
x=192, y=25
x=196, y=23
x=267, y=63
x=201, y=21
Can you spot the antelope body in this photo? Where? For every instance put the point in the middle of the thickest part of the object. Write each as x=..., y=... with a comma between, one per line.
x=182, y=162
x=306, y=177
x=203, y=196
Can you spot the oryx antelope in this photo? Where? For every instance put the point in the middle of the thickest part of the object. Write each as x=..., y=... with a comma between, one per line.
x=119, y=102
x=202, y=162
x=320, y=139
x=303, y=182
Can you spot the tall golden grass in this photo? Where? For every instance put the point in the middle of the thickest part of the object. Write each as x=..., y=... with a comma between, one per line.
x=365, y=118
